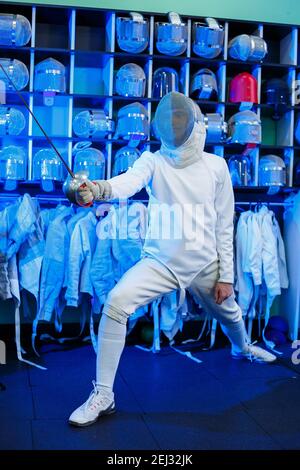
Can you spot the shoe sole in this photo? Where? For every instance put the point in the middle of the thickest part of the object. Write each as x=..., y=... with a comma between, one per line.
x=102, y=413
x=258, y=361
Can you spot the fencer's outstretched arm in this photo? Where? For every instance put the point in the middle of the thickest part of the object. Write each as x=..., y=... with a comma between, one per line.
x=136, y=178
x=224, y=205
x=119, y=187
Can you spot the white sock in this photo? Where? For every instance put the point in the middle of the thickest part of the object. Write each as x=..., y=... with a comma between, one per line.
x=111, y=341
x=237, y=334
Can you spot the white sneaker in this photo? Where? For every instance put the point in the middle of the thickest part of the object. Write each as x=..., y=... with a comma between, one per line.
x=99, y=403
x=255, y=354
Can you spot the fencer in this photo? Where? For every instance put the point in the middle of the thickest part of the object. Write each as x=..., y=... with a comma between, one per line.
x=179, y=175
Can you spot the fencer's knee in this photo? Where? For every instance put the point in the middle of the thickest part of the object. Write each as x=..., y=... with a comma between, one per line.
x=115, y=313
x=114, y=306
x=115, y=297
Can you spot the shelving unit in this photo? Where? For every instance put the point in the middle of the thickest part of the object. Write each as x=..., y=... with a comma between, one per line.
x=84, y=40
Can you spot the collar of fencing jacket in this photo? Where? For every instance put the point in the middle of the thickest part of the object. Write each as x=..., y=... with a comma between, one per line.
x=189, y=152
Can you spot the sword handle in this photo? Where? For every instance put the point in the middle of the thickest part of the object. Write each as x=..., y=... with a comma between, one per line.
x=89, y=204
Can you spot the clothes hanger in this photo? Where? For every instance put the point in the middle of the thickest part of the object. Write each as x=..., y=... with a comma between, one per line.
x=239, y=209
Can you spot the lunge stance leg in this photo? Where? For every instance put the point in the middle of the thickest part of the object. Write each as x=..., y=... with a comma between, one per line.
x=144, y=282
x=229, y=314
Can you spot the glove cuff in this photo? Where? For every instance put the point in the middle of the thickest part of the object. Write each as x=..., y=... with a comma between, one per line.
x=102, y=190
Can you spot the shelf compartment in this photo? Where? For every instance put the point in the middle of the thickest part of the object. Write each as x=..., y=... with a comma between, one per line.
x=18, y=9
x=77, y=109
x=237, y=150
x=276, y=133
x=22, y=56
x=218, y=69
x=281, y=41
x=116, y=146
x=52, y=27
x=164, y=19
x=149, y=47
x=54, y=119
x=181, y=67
x=24, y=111
x=102, y=146
x=142, y=62
x=287, y=156
x=92, y=30
x=41, y=144
x=194, y=56
x=92, y=78
x=236, y=28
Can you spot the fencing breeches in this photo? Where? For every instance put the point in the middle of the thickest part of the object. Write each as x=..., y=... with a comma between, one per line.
x=228, y=313
x=140, y=285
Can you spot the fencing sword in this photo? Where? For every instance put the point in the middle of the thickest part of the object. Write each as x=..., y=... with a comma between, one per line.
x=74, y=180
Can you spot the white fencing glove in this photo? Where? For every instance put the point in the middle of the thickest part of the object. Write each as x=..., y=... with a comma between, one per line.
x=90, y=191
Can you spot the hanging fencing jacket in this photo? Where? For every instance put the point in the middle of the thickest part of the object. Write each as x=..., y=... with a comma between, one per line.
x=244, y=283
x=102, y=270
x=53, y=267
x=20, y=224
x=31, y=254
x=261, y=264
x=5, y=292
x=15, y=291
x=190, y=195
x=283, y=275
x=16, y=224
x=48, y=215
x=71, y=223
x=82, y=247
x=274, y=264
x=269, y=254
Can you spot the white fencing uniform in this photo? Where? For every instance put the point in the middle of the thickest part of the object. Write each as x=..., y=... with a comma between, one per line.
x=203, y=190
x=195, y=254
x=200, y=253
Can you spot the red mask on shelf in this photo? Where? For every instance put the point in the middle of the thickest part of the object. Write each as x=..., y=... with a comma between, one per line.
x=243, y=88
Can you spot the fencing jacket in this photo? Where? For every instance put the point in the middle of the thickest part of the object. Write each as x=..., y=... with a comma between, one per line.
x=82, y=247
x=31, y=254
x=260, y=258
x=196, y=200
x=53, y=267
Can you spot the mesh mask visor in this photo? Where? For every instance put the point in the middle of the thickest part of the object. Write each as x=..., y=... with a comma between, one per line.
x=174, y=119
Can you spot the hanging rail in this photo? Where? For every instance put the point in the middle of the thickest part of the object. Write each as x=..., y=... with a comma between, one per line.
x=41, y=199
x=60, y=200
x=255, y=203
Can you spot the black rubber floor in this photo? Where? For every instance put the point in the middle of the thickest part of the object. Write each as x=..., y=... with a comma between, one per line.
x=164, y=401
